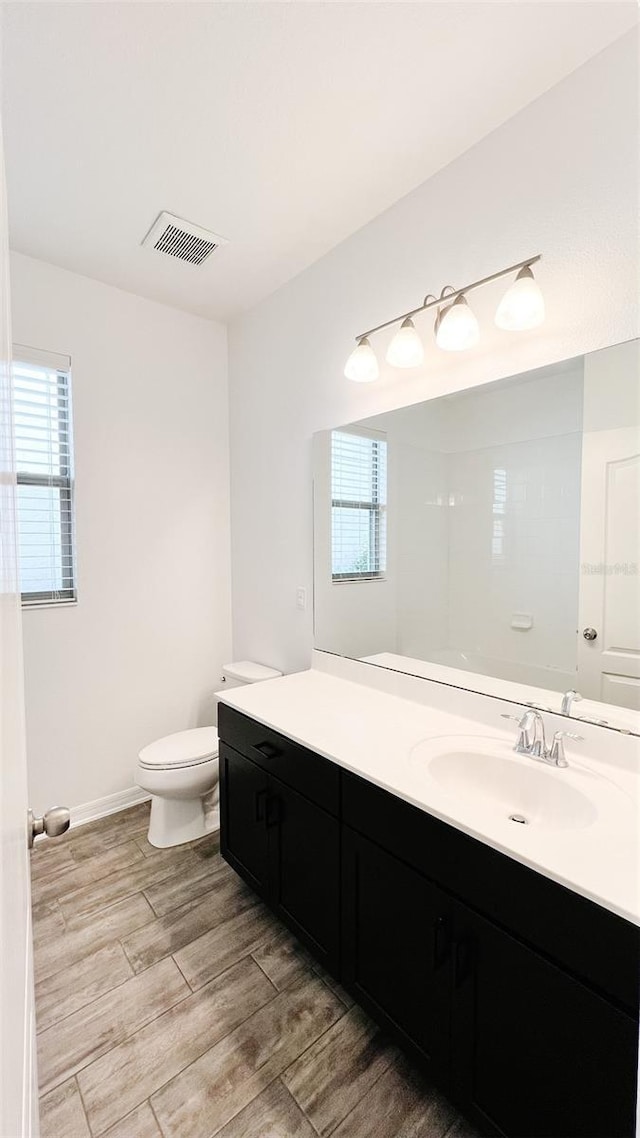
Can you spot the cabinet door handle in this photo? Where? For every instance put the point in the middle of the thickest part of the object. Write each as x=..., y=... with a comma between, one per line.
x=267, y=750
x=274, y=811
x=463, y=961
x=260, y=804
x=441, y=941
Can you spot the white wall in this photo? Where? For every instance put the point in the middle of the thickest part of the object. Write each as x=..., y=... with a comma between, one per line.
x=559, y=178
x=140, y=654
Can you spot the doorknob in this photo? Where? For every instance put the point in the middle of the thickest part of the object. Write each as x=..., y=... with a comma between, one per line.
x=589, y=633
x=54, y=822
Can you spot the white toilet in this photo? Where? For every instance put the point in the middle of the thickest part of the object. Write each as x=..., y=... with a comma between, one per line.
x=180, y=771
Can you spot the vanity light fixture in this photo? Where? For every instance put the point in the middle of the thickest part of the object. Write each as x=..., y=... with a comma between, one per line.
x=522, y=306
x=456, y=327
x=362, y=365
x=406, y=348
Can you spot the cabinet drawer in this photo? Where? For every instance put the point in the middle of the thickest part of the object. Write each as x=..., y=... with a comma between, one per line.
x=309, y=774
x=593, y=943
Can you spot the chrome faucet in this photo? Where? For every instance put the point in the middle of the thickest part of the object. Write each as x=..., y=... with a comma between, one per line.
x=571, y=697
x=532, y=742
x=568, y=698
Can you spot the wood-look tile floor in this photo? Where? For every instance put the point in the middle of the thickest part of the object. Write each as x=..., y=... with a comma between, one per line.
x=171, y=1004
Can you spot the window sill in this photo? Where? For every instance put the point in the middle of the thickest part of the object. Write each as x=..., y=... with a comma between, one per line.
x=33, y=606
x=357, y=580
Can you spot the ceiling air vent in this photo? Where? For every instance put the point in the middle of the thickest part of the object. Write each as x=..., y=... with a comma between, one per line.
x=178, y=238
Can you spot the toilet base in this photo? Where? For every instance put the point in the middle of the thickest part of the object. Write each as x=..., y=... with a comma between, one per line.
x=174, y=821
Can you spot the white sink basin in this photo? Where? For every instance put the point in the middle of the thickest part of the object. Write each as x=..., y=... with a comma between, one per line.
x=487, y=773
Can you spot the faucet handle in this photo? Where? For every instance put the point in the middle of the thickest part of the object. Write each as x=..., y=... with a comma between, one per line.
x=524, y=723
x=556, y=754
x=519, y=719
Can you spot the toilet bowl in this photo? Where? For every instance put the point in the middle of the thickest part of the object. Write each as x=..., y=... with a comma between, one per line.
x=180, y=772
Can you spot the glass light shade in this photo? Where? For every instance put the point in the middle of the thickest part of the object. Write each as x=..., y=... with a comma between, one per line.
x=362, y=365
x=522, y=307
x=457, y=327
x=405, y=350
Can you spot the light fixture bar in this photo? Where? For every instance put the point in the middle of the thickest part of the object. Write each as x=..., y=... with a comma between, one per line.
x=432, y=302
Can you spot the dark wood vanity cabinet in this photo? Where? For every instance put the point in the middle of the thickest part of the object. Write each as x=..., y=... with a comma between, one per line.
x=517, y=995
x=396, y=937
x=244, y=837
x=534, y=1052
x=283, y=839
x=525, y=1048
x=304, y=870
x=526, y=994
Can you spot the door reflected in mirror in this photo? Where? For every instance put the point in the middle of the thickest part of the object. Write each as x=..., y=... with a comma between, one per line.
x=489, y=538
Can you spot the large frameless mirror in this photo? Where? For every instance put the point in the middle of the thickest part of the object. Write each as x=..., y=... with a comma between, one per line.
x=489, y=538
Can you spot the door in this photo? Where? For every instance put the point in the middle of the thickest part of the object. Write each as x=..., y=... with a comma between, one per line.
x=18, y=1078
x=609, y=606
x=304, y=861
x=243, y=833
x=535, y=1053
x=396, y=947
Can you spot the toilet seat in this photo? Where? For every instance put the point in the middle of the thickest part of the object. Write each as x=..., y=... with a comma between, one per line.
x=180, y=750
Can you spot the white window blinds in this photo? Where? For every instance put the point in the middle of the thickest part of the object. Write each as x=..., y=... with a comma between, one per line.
x=358, y=505
x=44, y=464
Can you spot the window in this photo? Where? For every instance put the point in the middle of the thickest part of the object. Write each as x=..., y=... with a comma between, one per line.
x=499, y=510
x=358, y=505
x=44, y=464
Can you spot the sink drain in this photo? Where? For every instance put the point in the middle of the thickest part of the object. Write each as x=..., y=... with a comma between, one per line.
x=519, y=818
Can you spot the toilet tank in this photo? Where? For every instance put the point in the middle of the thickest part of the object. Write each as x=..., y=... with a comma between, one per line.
x=240, y=673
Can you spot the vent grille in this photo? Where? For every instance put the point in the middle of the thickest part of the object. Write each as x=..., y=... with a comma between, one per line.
x=178, y=243
x=181, y=239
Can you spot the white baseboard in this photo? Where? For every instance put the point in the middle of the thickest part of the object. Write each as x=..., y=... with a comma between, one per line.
x=110, y=804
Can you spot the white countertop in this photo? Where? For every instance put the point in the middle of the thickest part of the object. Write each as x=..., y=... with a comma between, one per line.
x=373, y=733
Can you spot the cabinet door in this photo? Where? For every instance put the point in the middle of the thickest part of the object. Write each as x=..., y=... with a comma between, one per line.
x=304, y=860
x=243, y=834
x=536, y=1054
x=396, y=947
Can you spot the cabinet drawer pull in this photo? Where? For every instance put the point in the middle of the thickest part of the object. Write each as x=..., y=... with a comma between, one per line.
x=267, y=750
x=463, y=961
x=260, y=804
x=274, y=811
x=441, y=942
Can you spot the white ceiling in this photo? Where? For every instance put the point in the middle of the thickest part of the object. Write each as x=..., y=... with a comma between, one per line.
x=282, y=126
